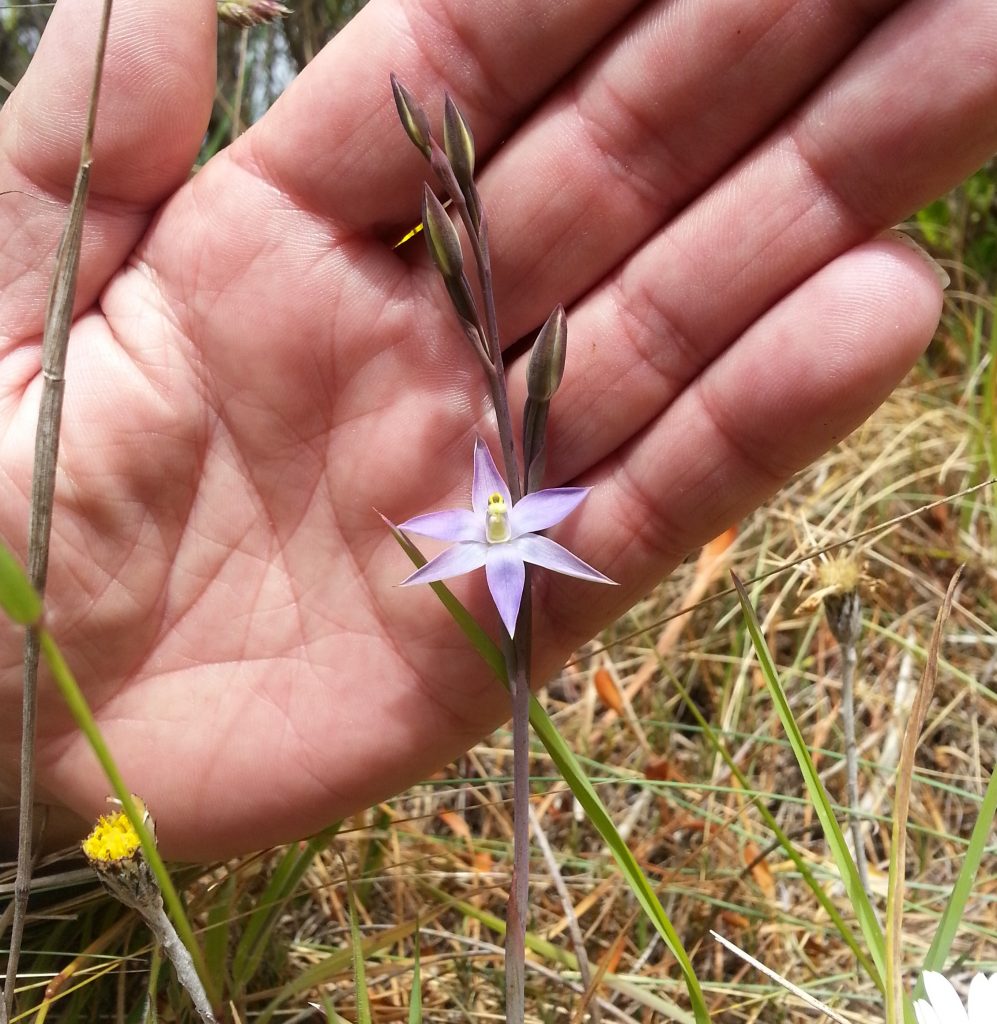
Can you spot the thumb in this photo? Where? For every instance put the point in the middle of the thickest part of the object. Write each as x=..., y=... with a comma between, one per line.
x=155, y=100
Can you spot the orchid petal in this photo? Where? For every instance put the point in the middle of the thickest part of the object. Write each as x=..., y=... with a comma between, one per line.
x=544, y=509
x=450, y=524
x=455, y=561
x=506, y=577
x=549, y=554
x=487, y=480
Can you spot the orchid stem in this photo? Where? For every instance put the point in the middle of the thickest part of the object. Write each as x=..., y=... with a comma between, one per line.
x=517, y=663
x=517, y=651
x=496, y=379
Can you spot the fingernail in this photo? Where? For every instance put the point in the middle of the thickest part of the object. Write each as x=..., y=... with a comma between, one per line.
x=896, y=235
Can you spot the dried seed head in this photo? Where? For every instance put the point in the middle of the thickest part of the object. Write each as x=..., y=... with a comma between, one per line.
x=844, y=616
x=458, y=142
x=413, y=117
x=546, y=366
x=247, y=13
x=441, y=237
x=841, y=580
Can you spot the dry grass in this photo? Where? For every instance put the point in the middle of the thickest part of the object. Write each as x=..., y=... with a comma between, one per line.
x=696, y=833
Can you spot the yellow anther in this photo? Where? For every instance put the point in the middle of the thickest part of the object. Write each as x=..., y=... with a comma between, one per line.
x=497, y=520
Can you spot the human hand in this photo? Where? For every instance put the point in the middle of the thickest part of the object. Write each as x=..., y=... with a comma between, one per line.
x=254, y=367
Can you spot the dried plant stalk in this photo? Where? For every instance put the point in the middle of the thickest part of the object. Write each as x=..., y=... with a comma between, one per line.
x=55, y=344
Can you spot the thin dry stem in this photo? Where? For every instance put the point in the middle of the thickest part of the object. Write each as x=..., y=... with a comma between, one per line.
x=55, y=344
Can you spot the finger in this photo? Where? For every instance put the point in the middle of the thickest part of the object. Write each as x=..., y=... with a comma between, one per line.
x=776, y=218
x=156, y=94
x=797, y=382
x=657, y=108
x=496, y=58
x=873, y=143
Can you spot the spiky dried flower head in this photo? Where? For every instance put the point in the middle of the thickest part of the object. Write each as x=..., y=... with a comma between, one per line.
x=840, y=580
x=247, y=13
x=841, y=574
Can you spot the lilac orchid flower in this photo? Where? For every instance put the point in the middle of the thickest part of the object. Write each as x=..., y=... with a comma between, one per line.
x=501, y=536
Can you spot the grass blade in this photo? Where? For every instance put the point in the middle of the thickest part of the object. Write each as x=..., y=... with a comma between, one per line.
x=283, y=884
x=871, y=930
x=359, y=970
x=895, y=1002
x=18, y=598
x=83, y=716
x=415, y=999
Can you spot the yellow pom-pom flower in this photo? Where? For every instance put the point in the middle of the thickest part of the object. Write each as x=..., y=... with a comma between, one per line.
x=112, y=840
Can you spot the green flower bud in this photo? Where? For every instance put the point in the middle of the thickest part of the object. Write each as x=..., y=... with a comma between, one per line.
x=441, y=236
x=546, y=366
x=412, y=116
x=458, y=142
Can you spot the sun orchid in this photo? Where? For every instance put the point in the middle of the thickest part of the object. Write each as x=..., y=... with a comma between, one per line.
x=501, y=536
x=943, y=1005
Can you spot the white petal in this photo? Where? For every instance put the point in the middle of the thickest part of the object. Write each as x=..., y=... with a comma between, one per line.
x=925, y=1013
x=487, y=480
x=544, y=509
x=455, y=561
x=543, y=551
x=506, y=577
x=944, y=999
x=455, y=524
x=983, y=999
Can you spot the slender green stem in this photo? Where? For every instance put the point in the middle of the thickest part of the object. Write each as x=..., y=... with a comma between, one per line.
x=517, y=652
x=83, y=716
x=515, y=936
x=849, y=660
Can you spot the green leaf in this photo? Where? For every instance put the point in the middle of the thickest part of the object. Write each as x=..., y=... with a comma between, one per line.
x=952, y=915
x=786, y=843
x=359, y=970
x=17, y=596
x=257, y=937
x=415, y=999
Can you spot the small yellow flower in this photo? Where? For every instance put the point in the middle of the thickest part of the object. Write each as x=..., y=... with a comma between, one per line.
x=113, y=839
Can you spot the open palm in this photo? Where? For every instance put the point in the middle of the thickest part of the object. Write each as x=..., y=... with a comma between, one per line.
x=254, y=369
